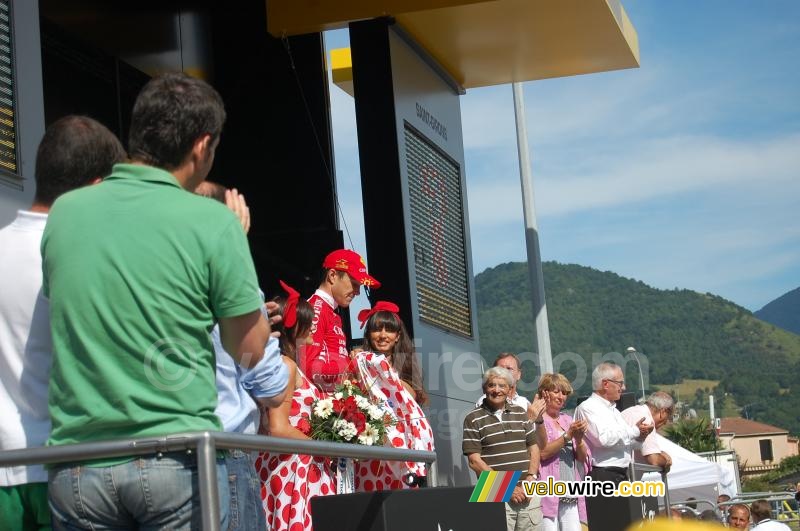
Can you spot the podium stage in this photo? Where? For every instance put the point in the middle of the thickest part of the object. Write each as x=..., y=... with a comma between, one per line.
x=435, y=509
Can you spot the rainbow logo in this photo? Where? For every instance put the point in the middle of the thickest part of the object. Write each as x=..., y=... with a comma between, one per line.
x=495, y=486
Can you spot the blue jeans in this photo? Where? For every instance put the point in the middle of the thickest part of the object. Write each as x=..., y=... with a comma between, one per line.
x=246, y=509
x=146, y=493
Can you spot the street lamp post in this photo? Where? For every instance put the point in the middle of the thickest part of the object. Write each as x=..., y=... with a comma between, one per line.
x=632, y=352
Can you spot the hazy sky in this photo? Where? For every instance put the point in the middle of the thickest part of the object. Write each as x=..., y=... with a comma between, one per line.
x=682, y=173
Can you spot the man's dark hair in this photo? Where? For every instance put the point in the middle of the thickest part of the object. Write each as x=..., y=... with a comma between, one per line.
x=171, y=112
x=74, y=151
x=323, y=274
x=761, y=510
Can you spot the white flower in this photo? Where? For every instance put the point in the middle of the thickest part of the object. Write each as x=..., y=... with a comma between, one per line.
x=375, y=412
x=369, y=436
x=347, y=383
x=362, y=402
x=323, y=408
x=347, y=430
x=338, y=395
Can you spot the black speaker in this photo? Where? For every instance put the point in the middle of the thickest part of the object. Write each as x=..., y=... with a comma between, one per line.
x=442, y=508
x=617, y=514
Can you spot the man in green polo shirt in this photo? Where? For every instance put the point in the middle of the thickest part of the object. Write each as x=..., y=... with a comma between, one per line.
x=138, y=270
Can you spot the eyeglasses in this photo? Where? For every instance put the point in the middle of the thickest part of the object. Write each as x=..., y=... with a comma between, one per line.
x=620, y=383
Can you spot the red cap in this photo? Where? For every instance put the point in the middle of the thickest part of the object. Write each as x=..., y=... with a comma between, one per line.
x=351, y=263
x=380, y=306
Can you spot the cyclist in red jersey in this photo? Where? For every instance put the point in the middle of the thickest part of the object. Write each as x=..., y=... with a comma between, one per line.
x=327, y=361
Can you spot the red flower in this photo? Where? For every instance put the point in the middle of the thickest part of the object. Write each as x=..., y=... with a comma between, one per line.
x=360, y=421
x=304, y=425
x=350, y=404
x=338, y=406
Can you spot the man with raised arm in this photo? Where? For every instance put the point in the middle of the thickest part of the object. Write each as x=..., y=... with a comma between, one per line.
x=138, y=269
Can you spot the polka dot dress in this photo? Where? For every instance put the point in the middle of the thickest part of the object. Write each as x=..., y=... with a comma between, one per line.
x=290, y=481
x=412, y=431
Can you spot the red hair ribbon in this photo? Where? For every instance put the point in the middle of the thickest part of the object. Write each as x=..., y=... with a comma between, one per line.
x=380, y=306
x=290, y=307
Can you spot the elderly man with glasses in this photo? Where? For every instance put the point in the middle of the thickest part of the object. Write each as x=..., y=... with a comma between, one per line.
x=498, y=435
x=610, y=438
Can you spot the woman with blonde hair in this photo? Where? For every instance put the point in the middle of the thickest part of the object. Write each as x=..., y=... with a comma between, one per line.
x=564, y=457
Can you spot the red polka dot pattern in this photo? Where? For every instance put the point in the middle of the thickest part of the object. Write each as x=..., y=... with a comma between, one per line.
x=412, y=431
x=293, y=480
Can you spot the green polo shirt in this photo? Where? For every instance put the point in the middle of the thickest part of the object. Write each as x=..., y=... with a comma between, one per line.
x=137, y=270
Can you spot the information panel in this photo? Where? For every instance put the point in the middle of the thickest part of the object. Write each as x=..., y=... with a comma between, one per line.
x=437, y=221
x=8, y=140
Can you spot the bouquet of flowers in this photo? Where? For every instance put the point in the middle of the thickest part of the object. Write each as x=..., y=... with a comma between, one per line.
x=349, y=416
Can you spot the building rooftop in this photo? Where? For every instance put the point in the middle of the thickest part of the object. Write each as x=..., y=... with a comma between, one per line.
x=743, y=427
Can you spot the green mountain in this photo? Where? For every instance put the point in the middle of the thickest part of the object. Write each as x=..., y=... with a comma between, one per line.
x=680, y=333
x=783, y=311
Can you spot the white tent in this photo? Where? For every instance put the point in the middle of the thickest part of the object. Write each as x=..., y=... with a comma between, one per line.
x=692, y=476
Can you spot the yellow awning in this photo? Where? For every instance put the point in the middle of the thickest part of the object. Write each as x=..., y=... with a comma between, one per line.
x=483, y=43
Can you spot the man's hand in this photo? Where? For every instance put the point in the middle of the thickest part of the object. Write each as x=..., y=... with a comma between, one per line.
x=235, y=201
x=644, y=428
x=274, y=317
x=518, y=496
x=667, y=461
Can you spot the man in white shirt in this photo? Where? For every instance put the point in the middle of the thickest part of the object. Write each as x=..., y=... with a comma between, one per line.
x=761, y=512
x=75, y=151
x=657, y=410
x=611, y=440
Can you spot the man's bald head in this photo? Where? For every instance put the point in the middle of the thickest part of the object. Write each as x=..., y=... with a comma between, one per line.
x=212, y=190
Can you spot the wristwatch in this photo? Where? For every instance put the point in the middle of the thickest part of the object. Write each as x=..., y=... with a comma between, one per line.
x=565, y=437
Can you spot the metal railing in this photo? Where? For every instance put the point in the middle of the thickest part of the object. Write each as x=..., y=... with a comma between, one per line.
x=206, y=443
x=642, y=468
x=784, y=514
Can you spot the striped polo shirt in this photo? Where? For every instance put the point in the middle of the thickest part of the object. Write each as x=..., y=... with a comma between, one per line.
x=502, y=442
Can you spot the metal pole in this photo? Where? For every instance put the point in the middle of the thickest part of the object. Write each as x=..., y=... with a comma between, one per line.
x=207, y=482
x=532, y=235
x=632, y=352
x=713, y=424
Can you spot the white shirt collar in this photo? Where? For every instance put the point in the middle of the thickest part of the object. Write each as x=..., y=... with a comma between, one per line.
x=27, y=220
x=327, y=297
x=605, y=402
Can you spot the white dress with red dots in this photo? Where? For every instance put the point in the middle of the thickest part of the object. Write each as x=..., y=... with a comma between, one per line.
x=412, y=431
x=290, y=481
